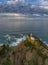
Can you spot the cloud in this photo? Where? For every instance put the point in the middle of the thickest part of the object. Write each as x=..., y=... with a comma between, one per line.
x=40, y=3
x=11, y=1
x=14, y=1
x=45, y=7
x=44, y=2
x=0, y=2
x=36, y=14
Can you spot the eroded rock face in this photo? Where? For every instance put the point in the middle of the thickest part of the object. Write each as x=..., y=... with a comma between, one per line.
x=28, y=52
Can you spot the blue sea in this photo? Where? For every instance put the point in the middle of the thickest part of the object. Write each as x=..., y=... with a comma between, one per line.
x=14, y=28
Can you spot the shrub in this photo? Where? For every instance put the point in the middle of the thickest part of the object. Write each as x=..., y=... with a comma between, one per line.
x=7, y=62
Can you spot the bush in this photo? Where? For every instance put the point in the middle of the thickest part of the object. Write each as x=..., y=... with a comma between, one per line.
x=4, y=50
x=27, y=43
x=7, y=62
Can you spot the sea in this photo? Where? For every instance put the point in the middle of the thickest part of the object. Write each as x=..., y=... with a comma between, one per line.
x=14, y=28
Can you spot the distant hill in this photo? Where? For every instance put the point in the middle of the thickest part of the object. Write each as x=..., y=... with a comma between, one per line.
x=31, y=51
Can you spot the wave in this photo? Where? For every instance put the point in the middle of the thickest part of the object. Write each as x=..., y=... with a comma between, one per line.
x=44, y=42
x=18, y=41
x=12, y=39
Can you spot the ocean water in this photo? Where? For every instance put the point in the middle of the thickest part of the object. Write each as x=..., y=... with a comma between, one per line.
x=13, y=28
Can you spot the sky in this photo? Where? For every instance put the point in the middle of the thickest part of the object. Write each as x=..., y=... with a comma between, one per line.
x=43, y=4
x=35, y=2
x=16, y=0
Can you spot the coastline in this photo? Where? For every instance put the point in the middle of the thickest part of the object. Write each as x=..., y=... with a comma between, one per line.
x=19, y=40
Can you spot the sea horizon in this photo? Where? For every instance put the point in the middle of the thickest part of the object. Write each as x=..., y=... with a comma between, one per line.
x=23, y=24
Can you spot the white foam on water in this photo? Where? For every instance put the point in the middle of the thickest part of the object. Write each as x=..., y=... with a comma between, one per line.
x=45, y=43
x=1, y=44
x=18, y=41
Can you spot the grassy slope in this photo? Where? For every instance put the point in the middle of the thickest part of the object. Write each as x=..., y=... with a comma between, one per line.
x=28, y=52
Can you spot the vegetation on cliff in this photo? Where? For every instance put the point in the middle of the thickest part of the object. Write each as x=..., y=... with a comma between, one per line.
x=31, y=51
